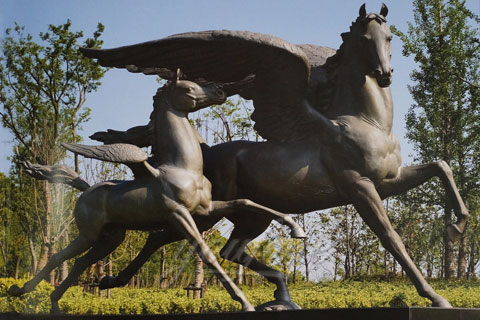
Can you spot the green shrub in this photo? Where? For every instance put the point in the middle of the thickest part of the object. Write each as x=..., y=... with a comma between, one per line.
x=339, y=294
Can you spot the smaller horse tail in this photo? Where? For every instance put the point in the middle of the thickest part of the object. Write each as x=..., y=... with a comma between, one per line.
x=56, y=174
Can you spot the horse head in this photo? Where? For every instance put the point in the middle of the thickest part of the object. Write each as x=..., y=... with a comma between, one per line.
x=369, y=39
x=187, y=96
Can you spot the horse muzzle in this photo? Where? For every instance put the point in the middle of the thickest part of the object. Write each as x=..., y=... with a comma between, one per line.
x=212, y=95
x=384, y=79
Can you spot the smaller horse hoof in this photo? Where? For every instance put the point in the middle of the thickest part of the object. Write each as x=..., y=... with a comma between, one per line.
x=278, y=306
x=248, y=308
x=15, y=291
x=441, y=303
x=453, y=232
x=107, y=282
x=298, y=233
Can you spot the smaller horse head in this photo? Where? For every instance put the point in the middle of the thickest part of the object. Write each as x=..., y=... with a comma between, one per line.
x=370, y=39
x=187, y=96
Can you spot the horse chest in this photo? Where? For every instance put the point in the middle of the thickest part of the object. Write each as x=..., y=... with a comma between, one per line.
x=376, y=153
x=187, y=188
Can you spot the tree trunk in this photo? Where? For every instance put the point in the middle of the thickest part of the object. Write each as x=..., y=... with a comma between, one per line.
x=100, y=273
x=163, y=278
x=64, y=266
x=33, y=254
x=385, y=262
x=51, y=276
x=305, y=252
x=285, y=272
x=472, y=260
x=448, y=261
x=199, y=275
x=294, y=276
x=347, y=247
x=43, y=259
x=462, y=257
x=239, y=275
x=109, y=272
x=46, y=245
x=17, y=268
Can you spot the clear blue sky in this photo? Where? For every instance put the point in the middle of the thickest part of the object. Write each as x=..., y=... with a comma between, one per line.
x=124, y=99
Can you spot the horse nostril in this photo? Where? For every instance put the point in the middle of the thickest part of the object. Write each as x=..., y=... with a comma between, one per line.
x=220, y=93
x=391, y=71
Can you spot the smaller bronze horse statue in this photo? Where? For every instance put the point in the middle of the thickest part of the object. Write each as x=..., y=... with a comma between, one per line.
x=169, y=189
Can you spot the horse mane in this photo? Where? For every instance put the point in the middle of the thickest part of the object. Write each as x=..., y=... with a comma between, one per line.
x=159, y=96
x=327, y=89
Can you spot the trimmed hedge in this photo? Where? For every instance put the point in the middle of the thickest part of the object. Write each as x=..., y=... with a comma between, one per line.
x=339, y=294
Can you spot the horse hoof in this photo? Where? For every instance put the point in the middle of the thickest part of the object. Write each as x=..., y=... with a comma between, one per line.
x=15, y=291
x=282, y=295
x=55, y=310
x=453, y=232
x=278, y=305
x=298, y=233
x=247, y=307
x=441, y=303
x=107, y=282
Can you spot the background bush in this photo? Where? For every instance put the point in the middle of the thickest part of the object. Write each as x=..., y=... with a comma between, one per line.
x=338, y=294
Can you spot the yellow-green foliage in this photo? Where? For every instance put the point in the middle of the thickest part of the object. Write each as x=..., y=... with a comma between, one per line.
x=340, y=294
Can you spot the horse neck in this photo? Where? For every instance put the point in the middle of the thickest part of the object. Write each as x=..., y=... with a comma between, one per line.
x=175, y=142
x=358, y=94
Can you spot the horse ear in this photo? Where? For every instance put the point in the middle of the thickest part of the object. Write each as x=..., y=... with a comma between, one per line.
x=362, y=12
x=384, y=10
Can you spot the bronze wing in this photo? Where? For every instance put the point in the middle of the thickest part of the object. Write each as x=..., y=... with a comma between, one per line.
x=280, y=71
x=127, y=154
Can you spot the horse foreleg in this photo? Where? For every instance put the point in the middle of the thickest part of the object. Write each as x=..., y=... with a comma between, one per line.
x=77, y=246
x=369, y=205
x=181, y=218
x=105, y=245
x=229, y=208
x=413, y=176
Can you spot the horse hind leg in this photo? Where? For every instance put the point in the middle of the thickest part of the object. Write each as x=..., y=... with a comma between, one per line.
x=230, y=208
x=369, y=205
x=155, y=241
x=76, y=247
x=101, y=248
x=234, y=250
x=413, y=176
x=183, y=221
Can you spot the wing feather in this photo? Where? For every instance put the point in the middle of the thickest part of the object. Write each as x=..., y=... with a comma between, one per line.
x=279, y=70
x=118, y=153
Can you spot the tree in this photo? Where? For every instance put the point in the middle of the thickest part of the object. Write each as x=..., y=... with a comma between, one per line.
x=13, y=242
x=43, y=88
x=443, y=121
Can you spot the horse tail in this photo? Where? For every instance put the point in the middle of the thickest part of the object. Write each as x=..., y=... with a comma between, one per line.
x=56, y=174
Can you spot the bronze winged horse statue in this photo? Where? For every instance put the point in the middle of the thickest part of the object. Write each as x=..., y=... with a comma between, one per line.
x=169, y=191
x=327, y=119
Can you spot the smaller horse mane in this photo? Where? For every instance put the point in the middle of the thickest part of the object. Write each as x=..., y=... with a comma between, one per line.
x=334, y=61
x=159, y=96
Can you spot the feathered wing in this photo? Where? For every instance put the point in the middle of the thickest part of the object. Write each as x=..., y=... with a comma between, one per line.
x=270, y=118
x=118, y=153
x=280, y=72
x=128, y=154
